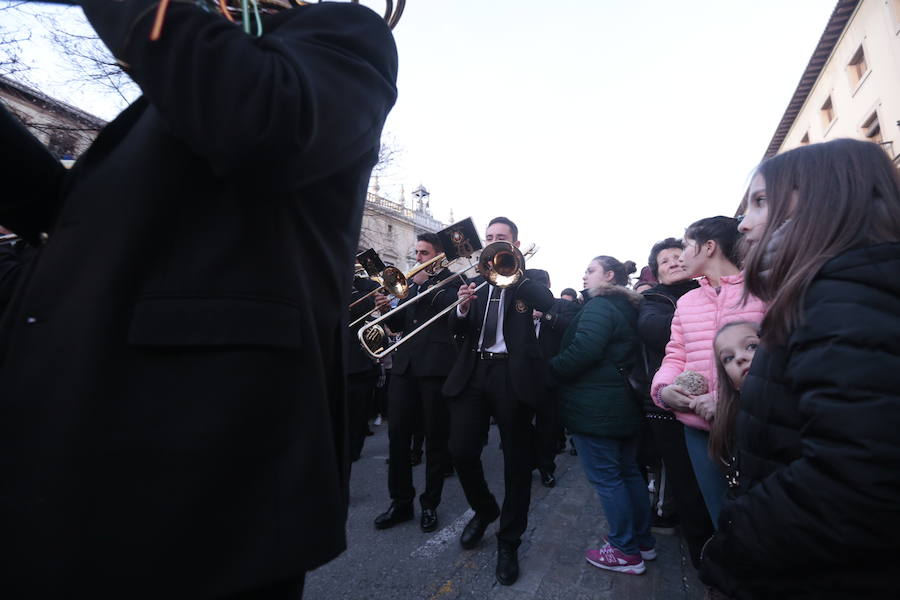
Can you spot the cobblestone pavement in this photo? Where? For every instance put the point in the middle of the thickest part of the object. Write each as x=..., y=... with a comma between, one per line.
x=404, y=563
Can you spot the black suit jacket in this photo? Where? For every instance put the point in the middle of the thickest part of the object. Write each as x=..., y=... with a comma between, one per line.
x=430, y=352
x=526, y=364
x=172, y=360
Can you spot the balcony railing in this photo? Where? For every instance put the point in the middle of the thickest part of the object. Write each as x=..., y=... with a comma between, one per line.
x=421, y=220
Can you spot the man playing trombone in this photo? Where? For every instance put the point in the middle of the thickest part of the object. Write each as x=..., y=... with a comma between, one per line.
x=498, y=371
x=172, y=423
x=420, y=368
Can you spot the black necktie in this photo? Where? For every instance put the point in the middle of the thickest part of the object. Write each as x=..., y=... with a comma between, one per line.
x=493, y=316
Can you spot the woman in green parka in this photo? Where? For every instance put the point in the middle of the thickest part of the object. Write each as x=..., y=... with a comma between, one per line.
x=599, y=346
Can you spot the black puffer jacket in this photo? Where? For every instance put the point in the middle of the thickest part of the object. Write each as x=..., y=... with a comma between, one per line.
x=655, y=329
x=818, y=438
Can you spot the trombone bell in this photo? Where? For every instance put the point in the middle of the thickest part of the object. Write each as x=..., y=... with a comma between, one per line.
x=501, y=264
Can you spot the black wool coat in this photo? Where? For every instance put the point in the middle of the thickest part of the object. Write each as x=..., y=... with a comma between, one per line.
x=527, y=366
x=172, y=363
x=430, y=352
x=818, y=509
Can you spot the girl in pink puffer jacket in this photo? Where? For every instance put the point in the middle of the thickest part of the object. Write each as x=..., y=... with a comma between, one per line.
x=710, y=252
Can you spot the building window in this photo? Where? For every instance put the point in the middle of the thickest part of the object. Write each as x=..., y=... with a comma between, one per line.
x=871, y=128
x=857, y=67
x=827, y=111
x=805, y=139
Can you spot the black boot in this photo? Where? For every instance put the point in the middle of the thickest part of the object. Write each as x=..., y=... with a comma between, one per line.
x=397, y=513
x=429, y=520
x=507, y=562
x=474, y=530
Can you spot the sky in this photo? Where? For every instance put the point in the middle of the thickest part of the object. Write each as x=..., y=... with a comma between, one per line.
x=598, y=126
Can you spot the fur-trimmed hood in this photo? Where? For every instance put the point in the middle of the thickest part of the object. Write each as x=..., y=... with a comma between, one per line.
x=608, y=289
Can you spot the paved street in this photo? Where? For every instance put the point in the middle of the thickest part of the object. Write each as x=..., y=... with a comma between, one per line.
x=404, y=563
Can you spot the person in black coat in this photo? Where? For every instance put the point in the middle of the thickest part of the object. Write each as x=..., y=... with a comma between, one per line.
x=664, y=432
x=173, y=422
x=420, y=367
x=817, y=510
x=549, y=432
x=499, y=371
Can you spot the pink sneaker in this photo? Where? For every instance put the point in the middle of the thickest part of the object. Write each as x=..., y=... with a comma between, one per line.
x=614, y=559
x=647, y=552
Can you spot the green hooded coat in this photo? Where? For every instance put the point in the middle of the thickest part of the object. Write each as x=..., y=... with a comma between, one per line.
x=602, y=338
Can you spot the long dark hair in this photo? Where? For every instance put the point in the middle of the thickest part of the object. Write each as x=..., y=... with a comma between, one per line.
x=827, y=199
x=620, y=270
x=721, y=430
x=722, y=230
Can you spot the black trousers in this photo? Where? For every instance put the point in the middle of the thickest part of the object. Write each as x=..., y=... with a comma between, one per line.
x=696, y=526
x=489, y=393
x=548, y=430
x=361, y=388
x=409, y=396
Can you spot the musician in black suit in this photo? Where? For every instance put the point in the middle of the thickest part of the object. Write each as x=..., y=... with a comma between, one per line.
x=420, y=367
x=362, y=369
x=549, y=327
x=173, y=422
x=498, y=371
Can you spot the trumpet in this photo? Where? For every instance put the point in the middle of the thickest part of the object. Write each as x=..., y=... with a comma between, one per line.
x=500, y=263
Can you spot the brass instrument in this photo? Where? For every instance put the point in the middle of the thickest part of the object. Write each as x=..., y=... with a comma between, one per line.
x=396, y=283
x=500, y=263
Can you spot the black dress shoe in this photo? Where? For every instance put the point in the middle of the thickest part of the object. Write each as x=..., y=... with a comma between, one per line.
x=547, y=478
x=475, y=528
x=397, y=513
x=429, y=520
x=507, y=563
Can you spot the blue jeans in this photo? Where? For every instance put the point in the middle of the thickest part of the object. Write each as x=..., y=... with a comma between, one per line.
x=710, y=478
x=611, y=466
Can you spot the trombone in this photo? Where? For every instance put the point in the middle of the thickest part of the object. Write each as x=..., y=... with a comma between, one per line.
x=393, y=281
x=500, y=263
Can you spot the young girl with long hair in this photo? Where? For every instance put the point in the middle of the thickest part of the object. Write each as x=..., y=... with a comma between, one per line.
x=734, y=347
x=817, y=513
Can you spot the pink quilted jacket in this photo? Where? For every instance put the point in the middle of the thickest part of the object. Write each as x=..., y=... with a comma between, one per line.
x=698, y=316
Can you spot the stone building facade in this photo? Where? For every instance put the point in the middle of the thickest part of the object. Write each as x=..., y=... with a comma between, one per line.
x=391, y=227
x=851, y=87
